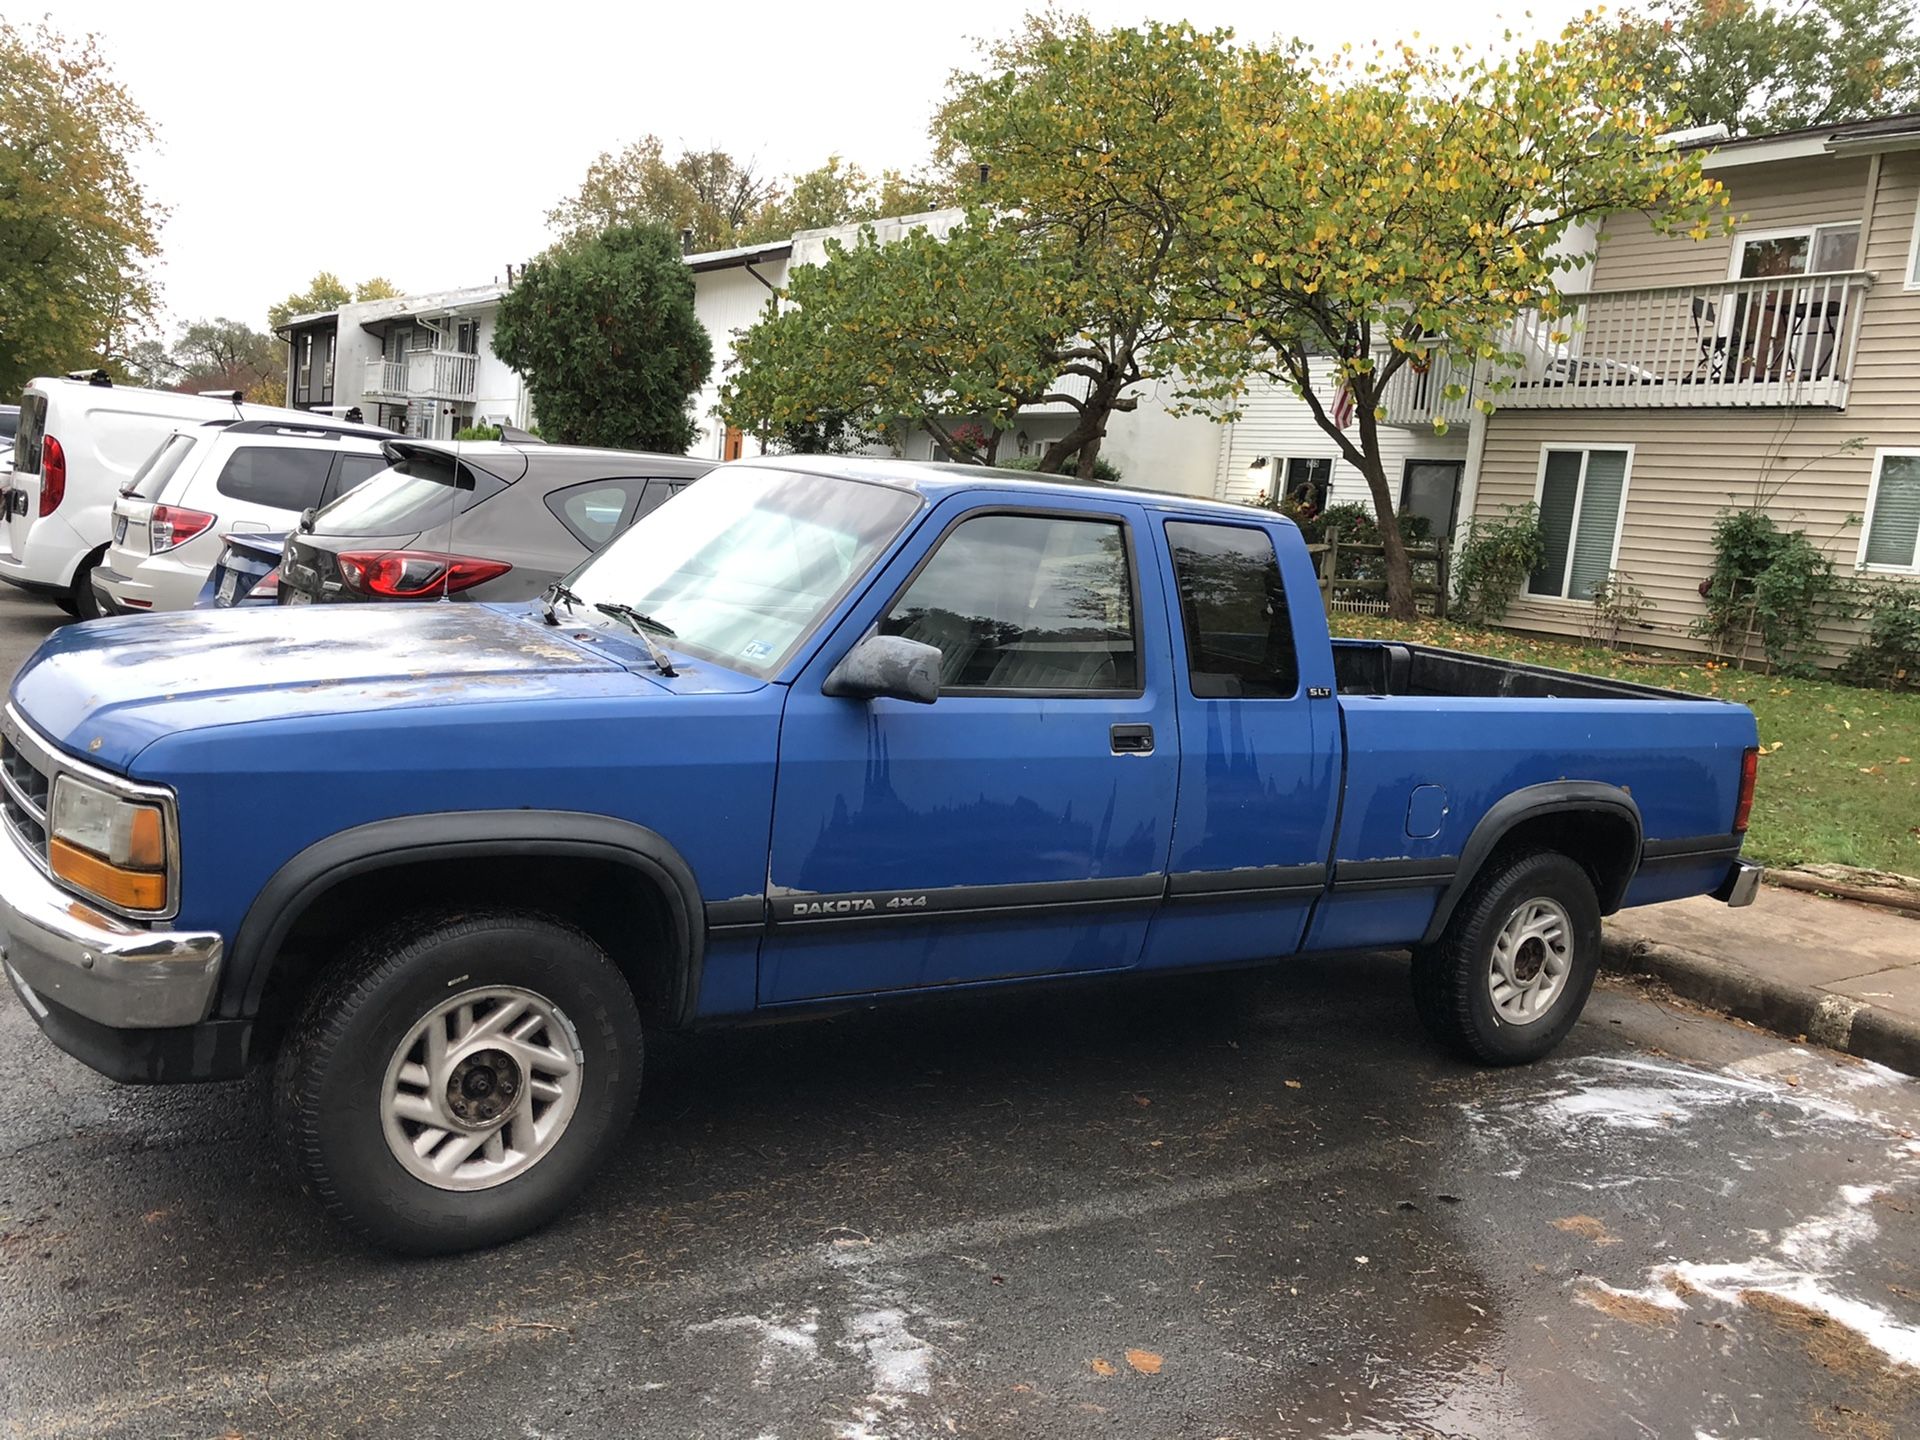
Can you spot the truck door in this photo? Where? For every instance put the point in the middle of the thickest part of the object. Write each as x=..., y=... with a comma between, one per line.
x=1019, y=824
x=1259, y=746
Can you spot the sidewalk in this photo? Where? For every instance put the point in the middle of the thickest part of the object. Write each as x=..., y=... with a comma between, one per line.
x=1842, y=974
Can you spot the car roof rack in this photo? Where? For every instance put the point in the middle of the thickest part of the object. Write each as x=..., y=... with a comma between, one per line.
x=324, y=427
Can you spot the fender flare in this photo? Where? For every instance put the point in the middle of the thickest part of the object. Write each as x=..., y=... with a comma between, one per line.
x=409, y=839
x=1557, y=797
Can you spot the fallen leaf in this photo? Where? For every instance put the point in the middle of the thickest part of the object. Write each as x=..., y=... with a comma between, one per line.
x=1145, y=1361
x=1291, y=1084
x=1361, y=1260
x=1104, y=1367
x=1141, y=1100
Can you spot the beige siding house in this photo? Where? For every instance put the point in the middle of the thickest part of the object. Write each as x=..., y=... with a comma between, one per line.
x=1780, y=364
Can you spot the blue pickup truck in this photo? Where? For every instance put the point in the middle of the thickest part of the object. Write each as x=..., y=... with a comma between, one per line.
x=815, y=732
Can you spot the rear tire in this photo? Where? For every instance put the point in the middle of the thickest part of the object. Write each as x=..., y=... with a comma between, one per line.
x=66, y=603
x=1511, y=973
x=518, y=1022
x=81, y=600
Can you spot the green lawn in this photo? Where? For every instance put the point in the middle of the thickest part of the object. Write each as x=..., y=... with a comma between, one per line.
x=1839, y=769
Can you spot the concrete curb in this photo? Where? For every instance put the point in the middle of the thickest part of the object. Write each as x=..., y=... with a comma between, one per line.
x=1836, y=1021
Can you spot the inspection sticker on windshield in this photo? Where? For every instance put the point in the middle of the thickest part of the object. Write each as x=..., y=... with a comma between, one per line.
x=755, y=650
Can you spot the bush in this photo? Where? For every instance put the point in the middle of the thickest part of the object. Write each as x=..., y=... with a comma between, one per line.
x=1773, y=581
x=478, y=432
x=1618, y=604
x=1103, y=468
x=1889, y=658
x=1494, y=562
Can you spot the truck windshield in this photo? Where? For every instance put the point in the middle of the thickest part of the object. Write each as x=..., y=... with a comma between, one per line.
x=745, y=563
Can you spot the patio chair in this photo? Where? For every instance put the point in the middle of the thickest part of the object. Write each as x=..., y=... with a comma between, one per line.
x=1712, y=364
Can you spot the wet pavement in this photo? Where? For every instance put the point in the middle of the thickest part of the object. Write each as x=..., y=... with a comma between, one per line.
x=1240, y=1206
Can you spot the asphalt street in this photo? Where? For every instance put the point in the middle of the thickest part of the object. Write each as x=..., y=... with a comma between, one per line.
x=1240, y=1206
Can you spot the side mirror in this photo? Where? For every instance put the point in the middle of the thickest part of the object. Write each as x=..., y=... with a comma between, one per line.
x=887, y=665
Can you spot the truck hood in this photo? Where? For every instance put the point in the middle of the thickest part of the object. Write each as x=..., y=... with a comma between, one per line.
x=107, y=689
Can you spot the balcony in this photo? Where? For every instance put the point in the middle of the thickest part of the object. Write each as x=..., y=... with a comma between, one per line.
x=1787, y=341
x=422, y=375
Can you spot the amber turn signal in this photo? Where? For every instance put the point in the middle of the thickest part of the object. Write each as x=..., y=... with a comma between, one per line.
x=129, y=889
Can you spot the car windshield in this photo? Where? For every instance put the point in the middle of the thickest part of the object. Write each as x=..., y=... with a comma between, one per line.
x=406, y=498
x=151, y=478
x=742, y=566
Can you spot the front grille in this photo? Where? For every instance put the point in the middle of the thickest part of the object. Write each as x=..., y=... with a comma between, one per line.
x=23, y=798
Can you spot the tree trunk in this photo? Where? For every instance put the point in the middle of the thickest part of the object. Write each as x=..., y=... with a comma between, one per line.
x=1089, y=453
x=1087, y=429
x=1399, y=571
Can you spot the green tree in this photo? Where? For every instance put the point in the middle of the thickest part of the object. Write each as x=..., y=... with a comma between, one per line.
x=1758, y=68
x=1101, y=149
x=954, y=335
x=707, y=192
x=327, y=291
x=605, y=334
x=223, y=354
x=1380, y=207
x=77, y=229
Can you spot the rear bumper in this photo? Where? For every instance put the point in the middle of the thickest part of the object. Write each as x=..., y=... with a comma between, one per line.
x=1741, y=885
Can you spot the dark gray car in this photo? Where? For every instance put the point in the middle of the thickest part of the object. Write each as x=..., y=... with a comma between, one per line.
x=486, y=521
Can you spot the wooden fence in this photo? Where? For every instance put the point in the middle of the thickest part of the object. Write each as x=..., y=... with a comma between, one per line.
x=1366, y=593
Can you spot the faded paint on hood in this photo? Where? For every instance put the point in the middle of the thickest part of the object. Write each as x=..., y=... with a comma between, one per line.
x=107, y=689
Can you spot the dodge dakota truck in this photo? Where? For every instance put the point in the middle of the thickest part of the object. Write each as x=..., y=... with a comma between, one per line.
x=813, y=733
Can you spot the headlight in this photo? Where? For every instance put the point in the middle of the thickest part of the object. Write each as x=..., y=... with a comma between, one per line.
x=108, y=846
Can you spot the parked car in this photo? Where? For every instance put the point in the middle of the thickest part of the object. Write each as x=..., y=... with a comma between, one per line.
x=833, y=731
x=247, y=572
x=491, y=520
x=204, y=483
x=80, y=439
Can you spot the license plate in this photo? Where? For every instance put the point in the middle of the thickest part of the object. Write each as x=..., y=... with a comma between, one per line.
x=298, y=597
x=119, y=529
x=229, y=589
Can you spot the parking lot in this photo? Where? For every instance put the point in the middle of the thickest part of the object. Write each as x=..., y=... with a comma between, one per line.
x=1227, y=1206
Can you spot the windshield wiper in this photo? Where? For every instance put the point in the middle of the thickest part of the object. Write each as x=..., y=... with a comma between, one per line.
x=558, y=594
x=640, y=624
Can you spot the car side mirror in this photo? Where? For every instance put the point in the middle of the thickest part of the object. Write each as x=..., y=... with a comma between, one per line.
x=889, y=666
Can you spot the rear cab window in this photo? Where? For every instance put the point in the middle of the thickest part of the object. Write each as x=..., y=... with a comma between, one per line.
x=1233, y=612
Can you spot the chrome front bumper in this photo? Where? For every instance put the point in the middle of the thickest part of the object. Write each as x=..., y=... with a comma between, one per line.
x=58, y=948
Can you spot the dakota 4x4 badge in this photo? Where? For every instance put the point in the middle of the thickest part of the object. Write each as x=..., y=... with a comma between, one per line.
x=857, y=905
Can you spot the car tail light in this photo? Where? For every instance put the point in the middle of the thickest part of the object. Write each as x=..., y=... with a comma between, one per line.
x=267, y=584
x=1749, y=772
x=53, y=475
x=172, y=525
x=415, y=574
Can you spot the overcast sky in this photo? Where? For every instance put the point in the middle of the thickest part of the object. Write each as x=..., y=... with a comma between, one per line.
x=427, y=142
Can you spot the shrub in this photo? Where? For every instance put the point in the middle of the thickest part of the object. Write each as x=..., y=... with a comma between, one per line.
x=1890, y=655
x=1618, y=604
x=478, y=432
x=1103, y=468
x=1773, y=581
x=1494, y=562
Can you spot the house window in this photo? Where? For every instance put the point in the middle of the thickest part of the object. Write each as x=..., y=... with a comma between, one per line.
x=1815, y=250
x=306, y=363
x=1306, y=481
x=1892, y=533
x=326, y=382
x=1913, y=253
x=1582, y=495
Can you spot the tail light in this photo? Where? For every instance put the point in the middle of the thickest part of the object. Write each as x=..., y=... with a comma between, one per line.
x=172, y=525
x=415, y=574
x=267, y=584
x=53, y=475
x=1749, y=772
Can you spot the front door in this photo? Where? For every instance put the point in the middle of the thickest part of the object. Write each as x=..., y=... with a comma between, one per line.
x=1017, y=826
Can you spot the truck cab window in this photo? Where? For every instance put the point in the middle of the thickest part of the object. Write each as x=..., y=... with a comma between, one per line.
x=1027, y=603
x=1233, y=610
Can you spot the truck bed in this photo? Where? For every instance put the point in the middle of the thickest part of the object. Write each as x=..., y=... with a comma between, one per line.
x=1380, y=667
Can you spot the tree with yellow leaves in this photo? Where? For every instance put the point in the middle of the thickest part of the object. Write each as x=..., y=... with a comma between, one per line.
x=1379, y=208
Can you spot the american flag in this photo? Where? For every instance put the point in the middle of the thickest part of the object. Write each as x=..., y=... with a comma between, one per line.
x=1343, y=406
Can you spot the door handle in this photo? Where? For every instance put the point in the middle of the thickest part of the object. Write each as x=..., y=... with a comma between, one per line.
x=1132, y=739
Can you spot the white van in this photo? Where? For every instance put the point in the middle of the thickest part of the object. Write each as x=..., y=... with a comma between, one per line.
x=209, y=481
x=79, y=440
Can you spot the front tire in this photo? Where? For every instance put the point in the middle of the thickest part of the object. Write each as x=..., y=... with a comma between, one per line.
x=1513, y=969
x=457, y=1082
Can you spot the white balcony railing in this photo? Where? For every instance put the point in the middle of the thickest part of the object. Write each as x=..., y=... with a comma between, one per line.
x=423, y=374
x=1785, y=341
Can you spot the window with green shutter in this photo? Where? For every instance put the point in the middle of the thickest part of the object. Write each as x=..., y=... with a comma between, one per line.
x=1893, y=515
x=1581, y=496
